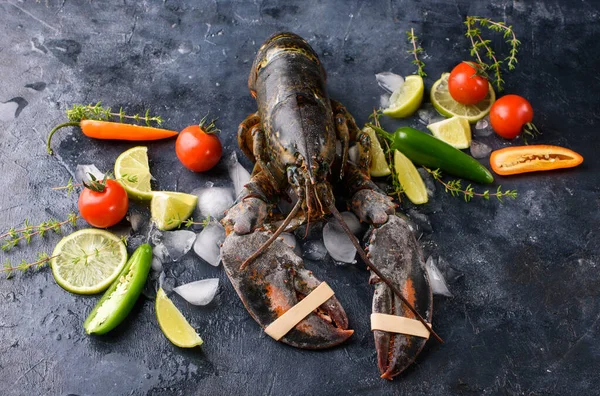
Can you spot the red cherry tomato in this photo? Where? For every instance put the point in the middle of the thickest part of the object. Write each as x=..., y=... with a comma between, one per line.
x=198, y=149
x=465, y=86
x=104, y=208
x=509, y=115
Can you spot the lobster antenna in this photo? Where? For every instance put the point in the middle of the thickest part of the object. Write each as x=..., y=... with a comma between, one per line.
x=278, y=232
x=372, y=267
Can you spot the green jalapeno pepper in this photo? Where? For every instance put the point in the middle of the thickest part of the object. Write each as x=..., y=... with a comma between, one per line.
x=121, y=296
x=424, y=149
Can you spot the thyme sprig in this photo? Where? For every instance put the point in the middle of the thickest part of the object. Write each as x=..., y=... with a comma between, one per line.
x=190, y=222
x=97, y=112
x=480, y=45
x=42, y=261
x=12, y=237
x=412, y=38
x=455, y=188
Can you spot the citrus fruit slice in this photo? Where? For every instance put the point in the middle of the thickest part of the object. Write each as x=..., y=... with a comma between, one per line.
x=406, y=101
x=448, y=107
x=133, y=172
x=409, y=179
x=455, y=131
x=173, y=324
x=169, y=209
x=88, y=261
x=379, y=165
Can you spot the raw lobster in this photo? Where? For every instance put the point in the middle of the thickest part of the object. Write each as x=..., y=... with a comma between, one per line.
x=292, y=142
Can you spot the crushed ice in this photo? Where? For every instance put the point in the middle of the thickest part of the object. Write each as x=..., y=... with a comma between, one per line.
x=238, y=174
x=389, y=81
x=208, y=243
x=82, y=173
x=199, y=292
x=480, y=150
x=214, y=201
x=436, y=279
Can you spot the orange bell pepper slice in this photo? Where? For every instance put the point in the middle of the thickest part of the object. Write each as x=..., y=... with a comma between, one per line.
x=522, y=159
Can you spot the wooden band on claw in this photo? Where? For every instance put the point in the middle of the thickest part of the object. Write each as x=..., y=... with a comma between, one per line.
x=286, y=322
x=398, y=324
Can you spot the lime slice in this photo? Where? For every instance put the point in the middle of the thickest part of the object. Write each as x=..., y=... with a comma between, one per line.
x=409, y=179
x=88, y=261
x=379, y=165
x=170, y=209
x=455, y=131
x=448, y=107
x=134, y=163
x=406, y=100
x=173, y=324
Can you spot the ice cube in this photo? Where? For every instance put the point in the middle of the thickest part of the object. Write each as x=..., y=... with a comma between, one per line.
x=238, y=174
x=208, y=243
x=161, y=253
x=436, y=279
x=178, y=243
x=165, y=282
x=338, y=244
x=480, y=150
x=421, y=220
x=389, y=81
x=384, y=101
x=290, y=240
x=82, y=173
x=156, y=265
x=428, y=180
x=314, y=250
x=137, y=220
x=199, y=292
x=214, y=201
x=483, y=127
x=286, y=203
x=351, y=221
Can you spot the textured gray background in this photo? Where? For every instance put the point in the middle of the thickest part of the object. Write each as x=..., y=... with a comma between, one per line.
x=525, y=316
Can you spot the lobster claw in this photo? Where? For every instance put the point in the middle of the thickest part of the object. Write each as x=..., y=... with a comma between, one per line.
x=396, y=253
x=274, y=283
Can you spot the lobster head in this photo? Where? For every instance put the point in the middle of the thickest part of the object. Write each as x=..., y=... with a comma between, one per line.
x=288, y=82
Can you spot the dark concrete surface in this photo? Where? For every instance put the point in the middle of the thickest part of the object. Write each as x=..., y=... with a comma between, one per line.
x=525, y=317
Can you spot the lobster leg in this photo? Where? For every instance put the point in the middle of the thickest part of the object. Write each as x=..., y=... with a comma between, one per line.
x=272, y=285
x=244, y=135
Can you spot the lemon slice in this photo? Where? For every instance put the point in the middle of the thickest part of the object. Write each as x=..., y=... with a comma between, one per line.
x=455, y=131
x=409, y=179
x=134, y=163
x=405, y=101
x=88, y=261
x=170, y=209
x=173, y=324
x=379, y=165
x=448, y=107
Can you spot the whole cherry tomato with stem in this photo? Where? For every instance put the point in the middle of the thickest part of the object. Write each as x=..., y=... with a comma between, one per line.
x=198, y=147
x=103, y=203
x=512, y=114
x=467, y=84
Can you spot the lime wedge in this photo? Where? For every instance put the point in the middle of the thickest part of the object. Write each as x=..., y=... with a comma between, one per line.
x=173, y=324
x=448, y=107
x=379, y=165
x=170, y=209
x=455, y=131
x=88, y=261
x=133, y=163
x=406, y=101
x=409, y=179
